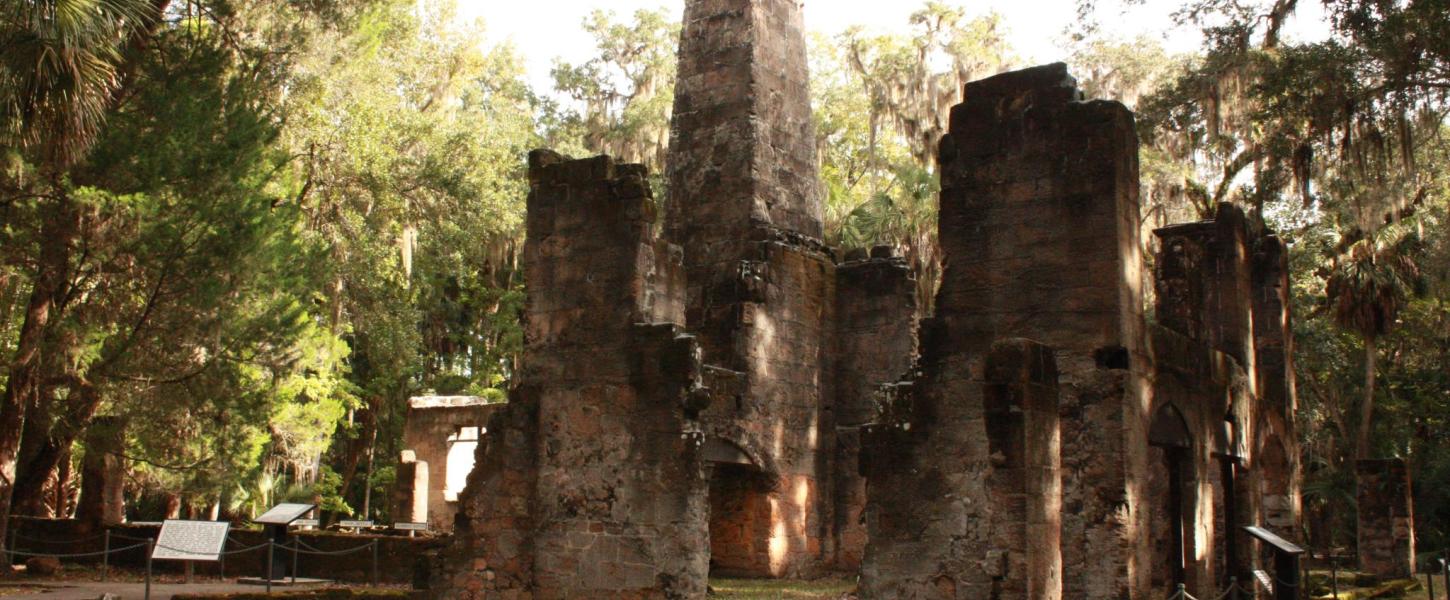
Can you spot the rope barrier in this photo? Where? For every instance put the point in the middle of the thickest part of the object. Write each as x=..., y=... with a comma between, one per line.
x=119, y=536
x=1182, y=594
x=75, y=554
x=188, y=551
x=247, y=549
x=318, y=551
x=1232, y=591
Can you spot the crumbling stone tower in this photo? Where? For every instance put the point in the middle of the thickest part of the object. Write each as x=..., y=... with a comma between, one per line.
x=589, y=484
x=1051, y=443
x=745, y=206
x=1039, y=222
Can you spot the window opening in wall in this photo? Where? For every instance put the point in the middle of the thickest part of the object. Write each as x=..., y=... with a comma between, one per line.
x=461, y=447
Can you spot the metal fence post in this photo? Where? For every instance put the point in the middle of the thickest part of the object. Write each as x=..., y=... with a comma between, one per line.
x=150, y=547
x=1445, y=571
x=375, y=563
x=1334, y=575
x=1233, y=587
x=296, y=546
x=271, y=551
x=106, y=557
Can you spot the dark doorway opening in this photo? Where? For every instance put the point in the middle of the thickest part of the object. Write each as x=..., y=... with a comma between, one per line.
x=740, y=521
x=1169, y=435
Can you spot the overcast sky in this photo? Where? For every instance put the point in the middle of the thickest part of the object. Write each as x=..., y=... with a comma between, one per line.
x=544, y=30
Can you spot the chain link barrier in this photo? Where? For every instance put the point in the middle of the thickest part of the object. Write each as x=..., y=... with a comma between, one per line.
x=298, y=547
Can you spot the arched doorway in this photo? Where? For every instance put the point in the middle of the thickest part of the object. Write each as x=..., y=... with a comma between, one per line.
x=1170, y=440
x=740, y=512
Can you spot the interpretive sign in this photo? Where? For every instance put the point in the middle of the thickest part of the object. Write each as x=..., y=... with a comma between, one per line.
x=191, y=540
x=410, y=526
x=358, y=524
x=306, y=523
x=283, y=514
x=1264, y=579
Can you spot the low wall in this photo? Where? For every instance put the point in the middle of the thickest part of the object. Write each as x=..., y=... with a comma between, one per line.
x=397, y=554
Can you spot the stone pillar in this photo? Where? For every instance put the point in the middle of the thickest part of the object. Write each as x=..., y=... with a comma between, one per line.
x=410, y=489
x=103, y=474
x=875, y=343
x=745, y=207
x=742, y=144
x=1386, y=520
x=590, y=483
x=1278, y=451
x=1039, y=227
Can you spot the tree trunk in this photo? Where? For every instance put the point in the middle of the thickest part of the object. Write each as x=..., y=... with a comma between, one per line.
x=1366, y=407
x=36, y=461
x=355, y=449
x=60, y=507
x=47, y=443
x=57, y=236
x=367, y=506
x=173, y=505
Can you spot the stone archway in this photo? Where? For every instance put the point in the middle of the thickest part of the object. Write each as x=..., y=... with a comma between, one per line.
x=741, y=515
x=1171, y=441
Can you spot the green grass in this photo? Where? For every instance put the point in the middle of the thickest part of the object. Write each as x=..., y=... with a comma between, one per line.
x=780, y=589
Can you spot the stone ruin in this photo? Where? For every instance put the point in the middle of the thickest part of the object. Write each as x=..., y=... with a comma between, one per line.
x=714, y=391
x=440, y=439
x=1386, y=518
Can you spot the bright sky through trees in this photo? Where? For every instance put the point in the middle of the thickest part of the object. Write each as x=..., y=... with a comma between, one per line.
x=544, y=31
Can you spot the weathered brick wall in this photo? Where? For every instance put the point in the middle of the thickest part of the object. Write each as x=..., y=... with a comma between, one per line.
x=1201, y=386
x=742, y=146
x=410, y=489
x=1223, y=285
x=1039, y=221
x=590, y=484
x=964, y=491
x=779, y=342
x=875, y=342
x=1278, y=445
x=745, y=206
x=1386, y=518
x=1038, y=226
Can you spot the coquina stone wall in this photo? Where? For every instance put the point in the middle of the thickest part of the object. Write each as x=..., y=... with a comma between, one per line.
x=728, y=395
x=590, y=484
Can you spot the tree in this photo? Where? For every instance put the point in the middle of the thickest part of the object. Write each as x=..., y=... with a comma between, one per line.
x=64, y=62
x=913, y=81
x=627, y=92
x=882, y=103
x=411, y=141
x=1367, y=288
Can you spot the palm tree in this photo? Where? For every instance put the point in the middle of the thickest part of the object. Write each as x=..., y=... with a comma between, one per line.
x=62, y=63
x=1367, y=286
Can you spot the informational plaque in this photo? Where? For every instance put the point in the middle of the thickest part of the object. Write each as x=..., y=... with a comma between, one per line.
x=306, y=523
x=410, y=526
x=191, y=540
x=358, y=524
x=283, y=514
x=1264, y=579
